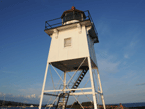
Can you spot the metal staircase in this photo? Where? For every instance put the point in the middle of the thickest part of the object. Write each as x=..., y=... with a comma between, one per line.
x=63, y=97
x=62, y=100
x=79, y=79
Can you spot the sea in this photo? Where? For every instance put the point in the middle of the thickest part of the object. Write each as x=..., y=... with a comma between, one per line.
x=141, y=104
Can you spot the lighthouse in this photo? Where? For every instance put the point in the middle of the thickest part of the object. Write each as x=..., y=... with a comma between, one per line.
x=72, y=51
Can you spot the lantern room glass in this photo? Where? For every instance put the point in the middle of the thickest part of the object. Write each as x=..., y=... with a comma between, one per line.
x=72, y=16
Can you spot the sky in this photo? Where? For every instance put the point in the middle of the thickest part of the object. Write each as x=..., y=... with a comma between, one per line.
x=120, y=53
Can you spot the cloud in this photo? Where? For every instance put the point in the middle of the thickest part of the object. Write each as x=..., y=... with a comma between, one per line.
x=107, y=62
x=131, y=46
x=30, y=96
x=30, y=91
x=126, y=56
x=9, y=72
x=39, y=96
x=140, y=84
x=130, y=97
x=108, y=66
x=33, y=96
x=19, y=98
x=1, y=94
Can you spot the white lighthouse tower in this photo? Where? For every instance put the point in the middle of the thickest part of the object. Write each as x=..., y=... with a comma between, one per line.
x=72, y=50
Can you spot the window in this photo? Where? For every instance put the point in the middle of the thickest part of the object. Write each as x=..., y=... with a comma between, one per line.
x=67, y=42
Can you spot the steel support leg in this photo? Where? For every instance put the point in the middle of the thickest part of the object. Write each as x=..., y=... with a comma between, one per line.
x=64, y=86
x=102, y=97
x=92, y=83
x=44, y=81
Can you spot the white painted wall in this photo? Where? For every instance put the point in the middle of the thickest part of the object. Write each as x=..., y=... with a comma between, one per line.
x=78, y=49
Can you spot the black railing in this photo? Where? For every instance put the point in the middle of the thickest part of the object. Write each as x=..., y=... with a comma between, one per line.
x=93, y=23
x=59, y=22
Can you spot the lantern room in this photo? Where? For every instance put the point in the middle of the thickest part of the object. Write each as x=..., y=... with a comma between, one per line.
x=72, y=15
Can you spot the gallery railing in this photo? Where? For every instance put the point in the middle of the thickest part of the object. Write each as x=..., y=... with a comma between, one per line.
x=59, y=22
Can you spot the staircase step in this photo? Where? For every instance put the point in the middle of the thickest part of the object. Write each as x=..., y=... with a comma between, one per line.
x=81, y=78
x=79, y=82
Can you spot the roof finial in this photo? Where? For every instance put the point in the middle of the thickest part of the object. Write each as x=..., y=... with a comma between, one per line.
x=73, y=8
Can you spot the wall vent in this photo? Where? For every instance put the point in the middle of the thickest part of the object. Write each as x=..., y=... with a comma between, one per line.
x=67, y=42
